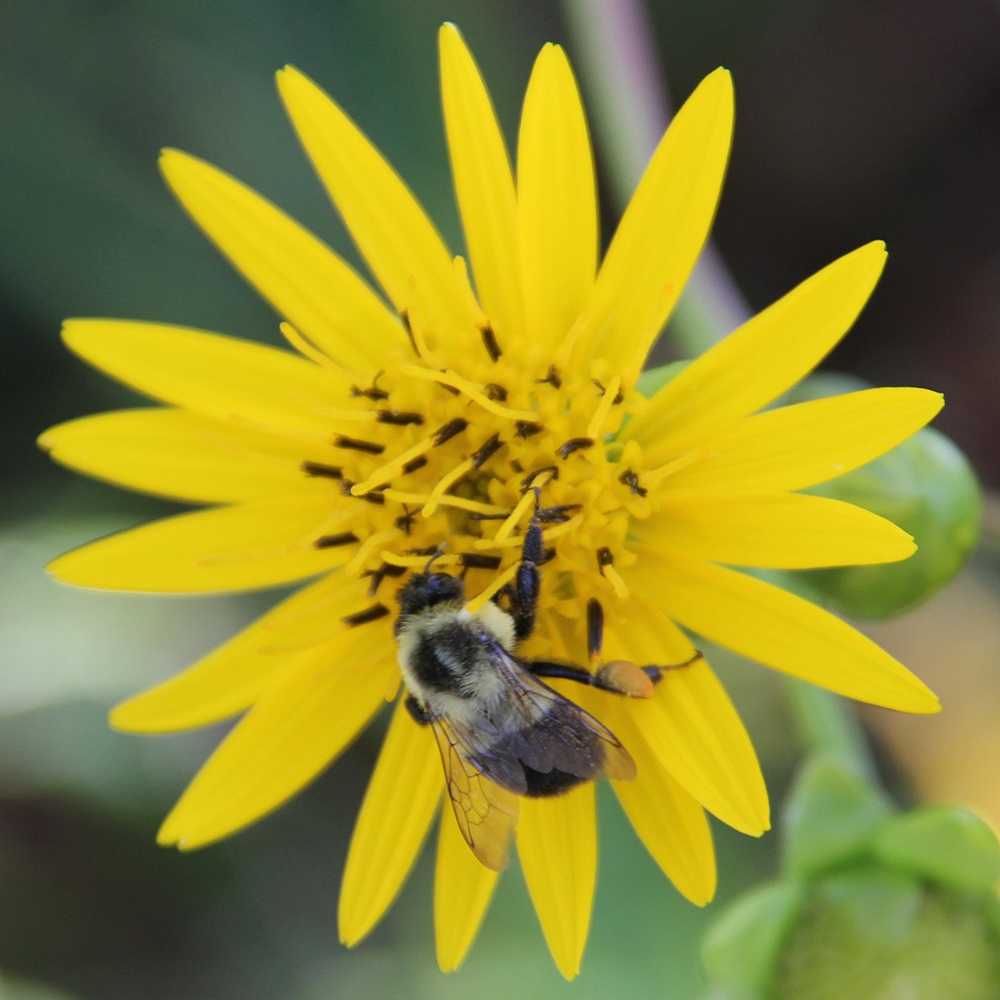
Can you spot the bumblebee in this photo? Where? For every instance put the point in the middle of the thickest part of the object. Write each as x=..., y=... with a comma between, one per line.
x=503, y=732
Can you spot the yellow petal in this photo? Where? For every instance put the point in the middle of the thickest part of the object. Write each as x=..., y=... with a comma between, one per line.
x=217, y=376
x=305, y=281
x=261, y=544
x=402, y=797
x=692, y=727
x=557, y=846
x=764, y=357
x=295, y=731
x=557, y=200
x=662, y=231
x=462, y=891
x=392, y=231
x=182, y=455
x=668, y=820
x=776, y=530
x=484, y=186
x=231, y=678
x=782, y=631
x=798, y=446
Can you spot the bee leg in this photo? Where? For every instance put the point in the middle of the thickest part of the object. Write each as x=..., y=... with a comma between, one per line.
x=655, y=674
x=524, y=598
x=545, y=668
x=417, y=712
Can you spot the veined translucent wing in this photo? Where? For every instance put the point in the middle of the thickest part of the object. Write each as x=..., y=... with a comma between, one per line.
x=554, y=732
x=486, y=812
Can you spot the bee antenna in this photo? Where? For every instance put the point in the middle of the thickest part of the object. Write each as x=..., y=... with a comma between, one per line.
x=437, y=555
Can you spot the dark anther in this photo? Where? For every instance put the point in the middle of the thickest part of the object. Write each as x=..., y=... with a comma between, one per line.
x=378, y=575
x=476, y=516
x=405, y=318
x=397, y=418
x=320, y=469
x=490, y=448
x=574, y=444
x=405, y=521
x=552, y=378
x=371, y=447
x=516, y=465
x=619, y=395
x=332, y=541
x=374, y=393
x=559, y=514
x=490, y=342
x=526, y=428
x=414, y=463
x=630, y=478
x=547, y=556
x=448, y=388
x=595, y=627
x=430, y=550
x=495, y=392
x=474, y=560
x=449, y=430
x=371, y=614
x=605, y=557
x=532, y=476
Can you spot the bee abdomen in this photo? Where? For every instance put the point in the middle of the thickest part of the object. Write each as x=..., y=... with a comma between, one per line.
x=546, y=784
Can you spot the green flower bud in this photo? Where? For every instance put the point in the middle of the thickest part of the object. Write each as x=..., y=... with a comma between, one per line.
x=872, y=904
x=926, y=486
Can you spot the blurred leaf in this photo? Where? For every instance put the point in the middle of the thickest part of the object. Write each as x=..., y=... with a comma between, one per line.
x=830, y=817
x=652, y=380
x=926, y=486
x=947, y=844
x=60, y=643
x=739, y=949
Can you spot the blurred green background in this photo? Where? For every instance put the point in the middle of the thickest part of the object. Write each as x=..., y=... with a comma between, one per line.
x=855, y=120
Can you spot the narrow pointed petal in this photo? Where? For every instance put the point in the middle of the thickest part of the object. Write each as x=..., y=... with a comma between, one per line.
x=221, y=377
x=557, y=846
x=403, y=795
x=557, y=200
x=391, y=229
x=261, y=544
x=463, y=889
x=771, y=530
x=782, y=631
x=662, y=232
x=767, y=355
x=231, y=678
x=668, y=820
x=484, y=186
x=695, y=732
x=184, y=456
x=798, y=446
x=302, y=278
x=293, y=733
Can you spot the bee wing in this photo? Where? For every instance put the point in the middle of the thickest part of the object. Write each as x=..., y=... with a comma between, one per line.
x=486, y=812
x=556, y=732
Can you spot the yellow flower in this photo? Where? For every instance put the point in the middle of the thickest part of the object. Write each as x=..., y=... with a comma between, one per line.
x=401, y=428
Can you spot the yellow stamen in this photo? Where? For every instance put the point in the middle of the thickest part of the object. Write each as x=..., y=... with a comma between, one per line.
x=395, y=559
x=613, y=577
x=601, y=413
x=393, y=467
x=445, y=483
x=510, y=543
x=654, y=478
x=504, y=578
x=523, y=506
x=566, y=347
x=354, y=567
x=445, y=501
x=473, y=391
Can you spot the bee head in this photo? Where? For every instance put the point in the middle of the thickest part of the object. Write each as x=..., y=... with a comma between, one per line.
x=424, y=590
